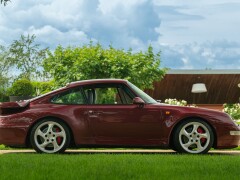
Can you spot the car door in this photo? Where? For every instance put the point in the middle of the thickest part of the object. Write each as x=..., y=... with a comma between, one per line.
x=113, y=118
x=71, y=105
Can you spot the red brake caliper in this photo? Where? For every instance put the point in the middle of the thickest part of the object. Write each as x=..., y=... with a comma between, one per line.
x=201, y=131
x=59, y=140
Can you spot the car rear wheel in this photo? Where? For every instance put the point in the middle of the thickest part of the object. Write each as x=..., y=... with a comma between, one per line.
x=50, y=136
x=193, y=136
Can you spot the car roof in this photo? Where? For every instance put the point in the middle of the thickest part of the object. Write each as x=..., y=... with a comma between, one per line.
x=93, y=81
x=83, y=82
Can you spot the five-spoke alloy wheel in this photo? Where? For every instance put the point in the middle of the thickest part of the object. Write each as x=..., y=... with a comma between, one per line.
x=193, y=136
x=50, y=136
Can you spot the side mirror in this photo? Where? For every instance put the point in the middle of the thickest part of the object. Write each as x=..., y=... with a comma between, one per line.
x=138, y=101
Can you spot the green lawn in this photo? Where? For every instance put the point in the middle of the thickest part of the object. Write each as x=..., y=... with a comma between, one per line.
x=118, y=166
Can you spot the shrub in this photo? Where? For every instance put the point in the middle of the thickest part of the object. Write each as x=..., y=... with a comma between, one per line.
x=233, y=110
x=21, y=87
x=176, y=102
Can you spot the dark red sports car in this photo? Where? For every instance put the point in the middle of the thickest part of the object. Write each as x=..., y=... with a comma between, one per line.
x=112, y=112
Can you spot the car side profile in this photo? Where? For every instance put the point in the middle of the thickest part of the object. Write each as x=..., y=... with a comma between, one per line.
x=112, y=113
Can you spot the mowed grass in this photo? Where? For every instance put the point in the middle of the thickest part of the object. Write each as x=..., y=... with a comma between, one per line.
x=118, y=166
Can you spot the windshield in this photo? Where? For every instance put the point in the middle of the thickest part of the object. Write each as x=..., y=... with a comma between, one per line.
x=142, y=94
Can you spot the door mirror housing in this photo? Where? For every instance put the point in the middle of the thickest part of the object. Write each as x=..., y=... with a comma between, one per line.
x=138, y=101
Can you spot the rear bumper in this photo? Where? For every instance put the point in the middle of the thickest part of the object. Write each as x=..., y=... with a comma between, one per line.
x=13, y=135
x=14, y=129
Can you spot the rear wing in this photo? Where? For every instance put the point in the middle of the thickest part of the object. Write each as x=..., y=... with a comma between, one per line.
x=13, y=107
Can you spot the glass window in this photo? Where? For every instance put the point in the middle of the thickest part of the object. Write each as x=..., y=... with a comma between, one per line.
x=127, y=99
x=107, y=94
x=142, y=94
x=73, y=96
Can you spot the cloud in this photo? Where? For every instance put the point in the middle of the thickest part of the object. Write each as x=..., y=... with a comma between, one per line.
x=214, y=55
x=122, y=22
x=57, y=37
x=189, y=34
x=176, y=13
x=186, y=22
x=118, y=23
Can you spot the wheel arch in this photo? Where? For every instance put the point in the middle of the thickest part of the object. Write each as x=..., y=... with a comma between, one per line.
x=27, y=140
x=187, y=118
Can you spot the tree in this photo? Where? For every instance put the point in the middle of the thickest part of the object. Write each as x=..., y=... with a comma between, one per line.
x=4, y=67
x=4, y=63
x=27, y=56
x=42, y=87
x=94, y=62
x=4, y=2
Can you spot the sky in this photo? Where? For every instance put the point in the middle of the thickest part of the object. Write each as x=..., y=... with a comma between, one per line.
x=190, y=34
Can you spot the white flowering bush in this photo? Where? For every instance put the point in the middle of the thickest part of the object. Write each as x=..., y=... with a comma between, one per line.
x=176, y=102
x=233, y=110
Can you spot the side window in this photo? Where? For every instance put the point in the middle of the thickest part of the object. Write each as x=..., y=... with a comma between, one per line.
x=73, y=96
x=107, y=94
x=126, y=98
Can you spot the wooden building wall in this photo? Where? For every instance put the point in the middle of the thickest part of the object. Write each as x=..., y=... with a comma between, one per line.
x=221, y=88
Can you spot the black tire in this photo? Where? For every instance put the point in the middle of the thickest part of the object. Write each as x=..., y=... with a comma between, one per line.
x=50, y=136
x=193, y=136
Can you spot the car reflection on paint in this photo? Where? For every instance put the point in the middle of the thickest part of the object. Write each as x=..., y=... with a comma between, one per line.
x=111, y=113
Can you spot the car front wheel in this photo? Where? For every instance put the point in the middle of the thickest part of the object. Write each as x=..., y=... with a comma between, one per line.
x=193, y=136
x=50, y=136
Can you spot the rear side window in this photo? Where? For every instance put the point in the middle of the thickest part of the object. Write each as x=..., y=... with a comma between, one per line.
x=73, y=96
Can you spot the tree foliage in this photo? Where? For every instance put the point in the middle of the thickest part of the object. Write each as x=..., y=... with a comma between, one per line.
x=4, y=2
x=94, y=62
x=4, y=61
x=42, y=87
x=27, y=56
x=4, y=67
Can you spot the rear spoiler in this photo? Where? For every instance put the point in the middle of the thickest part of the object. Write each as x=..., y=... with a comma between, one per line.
x=13, y=107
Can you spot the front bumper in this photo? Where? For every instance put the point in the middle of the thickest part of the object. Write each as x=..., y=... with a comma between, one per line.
x=235, y=133
x=228, y=136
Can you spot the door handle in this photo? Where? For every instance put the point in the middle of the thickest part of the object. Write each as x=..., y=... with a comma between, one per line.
x=94, y=112
x=90, y=112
